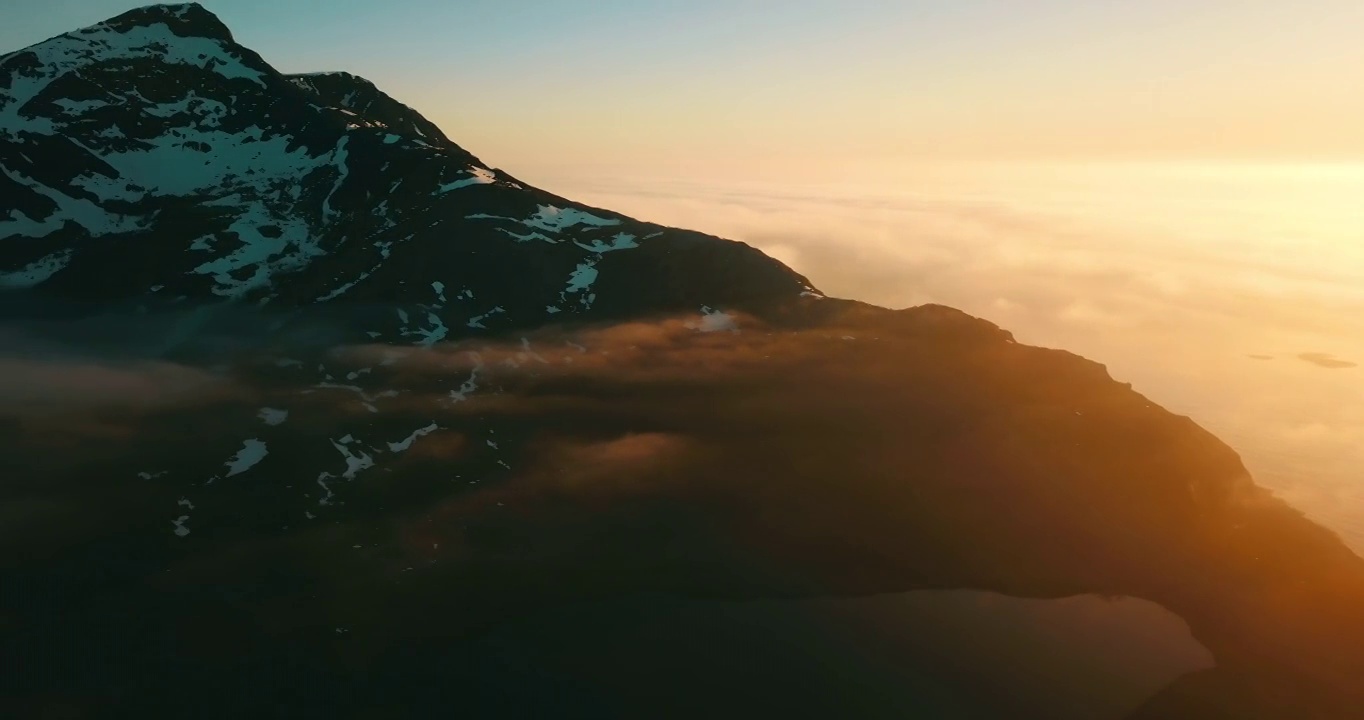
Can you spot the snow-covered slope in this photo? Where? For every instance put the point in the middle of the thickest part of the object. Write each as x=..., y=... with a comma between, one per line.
x=151, y=159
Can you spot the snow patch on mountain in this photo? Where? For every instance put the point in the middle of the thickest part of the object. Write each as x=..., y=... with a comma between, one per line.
x=356, y=461
x=555, y=219
x=259, y=173
x=341, y=290
x=74, y=51
x=289, y=245
x=527, y=237
x=338, y=158
x=35, y=272
x=252, y=452
x=82, y=212
x=477, y=321
x=406, y=443
x=622, y=241
x=436, y=332
x=478, y=176
x=551, y=219
x=79, y=107
x=470, y=385
x=582, y=278
x=207, y=112
x=366, y=400
x=258, y=177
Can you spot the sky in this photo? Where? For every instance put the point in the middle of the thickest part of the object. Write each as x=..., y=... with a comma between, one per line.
x=812, y=88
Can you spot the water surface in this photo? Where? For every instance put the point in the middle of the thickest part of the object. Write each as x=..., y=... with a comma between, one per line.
x=945, y=655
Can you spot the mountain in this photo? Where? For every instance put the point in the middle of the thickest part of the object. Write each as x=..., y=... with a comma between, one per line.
x=299, y=400
x=155, y=144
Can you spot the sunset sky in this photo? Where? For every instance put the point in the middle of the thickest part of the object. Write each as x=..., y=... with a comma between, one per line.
x=805, y=88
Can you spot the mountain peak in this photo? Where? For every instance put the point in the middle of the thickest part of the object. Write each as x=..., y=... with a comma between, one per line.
x=183, y=19
x=148, y=41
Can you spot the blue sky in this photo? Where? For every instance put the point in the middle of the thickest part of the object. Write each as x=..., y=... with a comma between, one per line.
x=700, y=85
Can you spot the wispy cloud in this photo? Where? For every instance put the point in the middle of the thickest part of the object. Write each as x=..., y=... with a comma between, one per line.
x=1036, y=253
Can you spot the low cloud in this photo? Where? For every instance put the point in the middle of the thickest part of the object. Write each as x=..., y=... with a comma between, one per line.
x=33, y=386
x=967, y=246
x=626, y=454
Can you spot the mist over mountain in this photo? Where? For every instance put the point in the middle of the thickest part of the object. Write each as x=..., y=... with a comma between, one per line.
x=301, y=402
